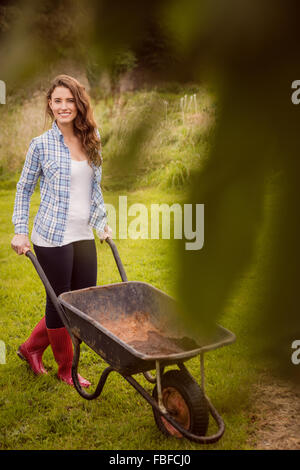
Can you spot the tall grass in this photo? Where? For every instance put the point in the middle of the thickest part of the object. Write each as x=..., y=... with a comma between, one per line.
x=165, y=151
x=19, y=123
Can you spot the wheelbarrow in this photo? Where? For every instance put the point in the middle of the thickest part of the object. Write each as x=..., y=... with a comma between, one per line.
x=131, y=325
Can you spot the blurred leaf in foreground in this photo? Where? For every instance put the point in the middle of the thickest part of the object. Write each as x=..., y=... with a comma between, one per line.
x=247, y=51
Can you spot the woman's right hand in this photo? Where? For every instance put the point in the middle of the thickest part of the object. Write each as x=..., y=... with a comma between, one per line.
x=107, y=233
x=21, y=244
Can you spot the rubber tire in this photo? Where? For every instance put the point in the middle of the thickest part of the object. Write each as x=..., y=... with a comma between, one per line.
x=193, y=397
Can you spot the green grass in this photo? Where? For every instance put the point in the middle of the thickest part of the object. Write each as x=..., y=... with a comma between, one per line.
x=43, y=413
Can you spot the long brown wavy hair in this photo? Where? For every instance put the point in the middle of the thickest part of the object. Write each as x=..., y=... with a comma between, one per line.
x=84, y=123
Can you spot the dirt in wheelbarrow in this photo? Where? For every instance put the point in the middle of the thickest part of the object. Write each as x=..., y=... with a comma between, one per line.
x=138, y=331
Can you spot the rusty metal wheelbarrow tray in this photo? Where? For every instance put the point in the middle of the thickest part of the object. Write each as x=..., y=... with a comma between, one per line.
x=81, y=312
x=84, y=309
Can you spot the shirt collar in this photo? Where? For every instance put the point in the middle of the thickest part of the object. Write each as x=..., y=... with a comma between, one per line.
x=57, y=131
x=60, y=136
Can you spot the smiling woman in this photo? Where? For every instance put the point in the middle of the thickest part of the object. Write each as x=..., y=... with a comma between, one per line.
x=64, y=111
x=69, y=104
x=67, y=160
x=63, y=104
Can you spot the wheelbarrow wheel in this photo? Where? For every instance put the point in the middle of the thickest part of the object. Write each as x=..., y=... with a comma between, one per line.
x=184, y=401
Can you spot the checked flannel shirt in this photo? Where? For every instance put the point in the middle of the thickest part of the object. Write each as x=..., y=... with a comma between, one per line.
x=48, y=158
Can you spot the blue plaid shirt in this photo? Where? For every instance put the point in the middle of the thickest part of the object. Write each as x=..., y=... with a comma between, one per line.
x=48, y=158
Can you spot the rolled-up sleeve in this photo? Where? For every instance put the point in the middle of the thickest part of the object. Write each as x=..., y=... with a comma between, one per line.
x=25, y=187
x=99, y=219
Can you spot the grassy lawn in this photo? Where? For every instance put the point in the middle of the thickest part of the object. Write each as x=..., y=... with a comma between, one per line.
x=43, y=413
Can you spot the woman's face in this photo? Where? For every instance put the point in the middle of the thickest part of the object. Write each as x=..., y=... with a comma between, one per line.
x=63, y=105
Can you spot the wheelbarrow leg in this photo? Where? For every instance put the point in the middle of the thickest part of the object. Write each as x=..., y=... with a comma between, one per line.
x=80, y=390
x=158, y=382
x=216, y=416
x=182, y=367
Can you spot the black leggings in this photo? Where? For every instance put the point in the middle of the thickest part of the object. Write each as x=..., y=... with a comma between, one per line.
x=68, y=267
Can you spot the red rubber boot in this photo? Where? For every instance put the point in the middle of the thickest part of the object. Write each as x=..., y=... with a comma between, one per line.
x=62, y=348
x=33, y=348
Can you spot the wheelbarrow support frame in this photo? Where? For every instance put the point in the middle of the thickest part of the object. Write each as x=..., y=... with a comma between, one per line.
x=157, y=405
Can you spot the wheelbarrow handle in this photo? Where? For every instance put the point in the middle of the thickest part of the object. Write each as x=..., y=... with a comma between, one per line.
x=117, y=259
x=49, y=288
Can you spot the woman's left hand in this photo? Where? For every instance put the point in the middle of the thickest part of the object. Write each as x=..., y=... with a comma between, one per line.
x=107, y=233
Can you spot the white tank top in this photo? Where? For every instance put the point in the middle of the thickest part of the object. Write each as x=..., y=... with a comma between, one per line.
x=77, y=227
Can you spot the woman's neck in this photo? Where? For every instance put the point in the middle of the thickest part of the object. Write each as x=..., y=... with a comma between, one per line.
x=67, y=130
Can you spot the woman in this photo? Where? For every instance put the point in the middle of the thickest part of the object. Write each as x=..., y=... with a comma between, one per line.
x=67, y=159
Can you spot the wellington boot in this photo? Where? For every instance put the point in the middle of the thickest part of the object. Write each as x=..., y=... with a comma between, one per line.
x=62, y=348
x=32, y=350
